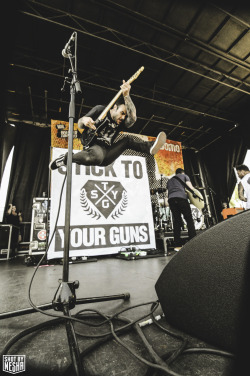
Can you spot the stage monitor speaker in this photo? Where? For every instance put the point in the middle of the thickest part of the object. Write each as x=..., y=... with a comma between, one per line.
x=204, y=289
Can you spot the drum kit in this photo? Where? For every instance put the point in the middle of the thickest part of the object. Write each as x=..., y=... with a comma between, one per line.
x=162, y=215
x=161, y=211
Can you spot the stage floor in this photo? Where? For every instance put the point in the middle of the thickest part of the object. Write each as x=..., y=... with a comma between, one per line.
x=47, y=349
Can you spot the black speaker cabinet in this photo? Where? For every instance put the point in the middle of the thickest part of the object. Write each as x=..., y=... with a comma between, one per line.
x=204, y=289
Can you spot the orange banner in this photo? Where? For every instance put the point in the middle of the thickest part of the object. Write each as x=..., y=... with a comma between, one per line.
x=169, y=158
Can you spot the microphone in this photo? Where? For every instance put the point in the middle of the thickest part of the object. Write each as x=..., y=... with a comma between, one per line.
x=66, y=51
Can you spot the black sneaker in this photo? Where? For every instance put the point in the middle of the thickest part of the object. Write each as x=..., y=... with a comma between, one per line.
x=58, y=162
x=158, y=143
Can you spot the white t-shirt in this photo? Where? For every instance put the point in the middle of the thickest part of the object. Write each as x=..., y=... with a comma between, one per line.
x=245, y=181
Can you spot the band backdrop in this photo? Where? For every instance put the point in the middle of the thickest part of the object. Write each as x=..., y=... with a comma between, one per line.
x=110, y=206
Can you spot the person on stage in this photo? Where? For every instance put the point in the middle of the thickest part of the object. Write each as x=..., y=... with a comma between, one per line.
x=179, y=205
x=244, y=185
x=12, y=217
x=103, y=150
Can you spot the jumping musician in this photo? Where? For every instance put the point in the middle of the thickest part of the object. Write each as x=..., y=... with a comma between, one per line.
x=102, y=150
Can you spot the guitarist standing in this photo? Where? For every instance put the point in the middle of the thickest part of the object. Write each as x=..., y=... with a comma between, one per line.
x=243, y=173
x=179, y=204
x=99, y=148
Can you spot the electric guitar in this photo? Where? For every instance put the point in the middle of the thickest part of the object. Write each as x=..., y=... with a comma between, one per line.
x=89, y=134
x=196, y=198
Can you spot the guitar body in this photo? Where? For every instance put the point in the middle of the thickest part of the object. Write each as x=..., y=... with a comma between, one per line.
x=88, y=135
x=196, y=199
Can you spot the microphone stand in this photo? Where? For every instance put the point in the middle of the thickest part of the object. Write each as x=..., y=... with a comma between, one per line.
x=65, y=298
x=163, y=196
x=212, y=193
x=207, y=210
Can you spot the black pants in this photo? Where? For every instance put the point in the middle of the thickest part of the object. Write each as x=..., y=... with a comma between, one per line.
x=180, y=206
x=98, y=155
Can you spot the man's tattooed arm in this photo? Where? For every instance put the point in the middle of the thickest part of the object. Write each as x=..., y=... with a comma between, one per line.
x=241, y=192
x=131, y=112
x=130, y=107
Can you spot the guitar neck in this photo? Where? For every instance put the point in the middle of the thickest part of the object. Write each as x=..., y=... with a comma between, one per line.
x=111, y=104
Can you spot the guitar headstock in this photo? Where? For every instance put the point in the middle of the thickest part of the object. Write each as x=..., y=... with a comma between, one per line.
x=134, y=77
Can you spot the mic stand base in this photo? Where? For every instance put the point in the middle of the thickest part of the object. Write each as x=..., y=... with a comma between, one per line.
x=73, y=346
x=45, y=307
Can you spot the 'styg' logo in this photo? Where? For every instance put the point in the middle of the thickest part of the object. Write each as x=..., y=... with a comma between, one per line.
x=109, y=197
x=13, y=363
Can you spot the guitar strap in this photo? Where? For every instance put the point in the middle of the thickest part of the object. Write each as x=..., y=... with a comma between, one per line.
x=187, y=187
